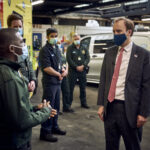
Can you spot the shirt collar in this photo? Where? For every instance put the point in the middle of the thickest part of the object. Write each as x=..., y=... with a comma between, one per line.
x=128, y=47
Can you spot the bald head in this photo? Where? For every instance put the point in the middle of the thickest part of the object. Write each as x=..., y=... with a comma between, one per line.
x=76, y=36
x=8, y=36
x=76, y=40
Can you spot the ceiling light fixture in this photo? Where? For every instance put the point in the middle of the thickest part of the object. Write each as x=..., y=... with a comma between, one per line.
x=82, y=5
x=109, y=7
x=104, y=1
x=146, y=19
x=136, y=2
x=37, y=2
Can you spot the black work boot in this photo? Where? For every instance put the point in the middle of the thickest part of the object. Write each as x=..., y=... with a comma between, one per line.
x=48, y=137
x=69, y=110
x=85, y=106
x=58, y=131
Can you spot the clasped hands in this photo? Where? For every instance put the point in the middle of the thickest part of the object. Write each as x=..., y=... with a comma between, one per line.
x=63, y=74
x=31, y=86
x=80, y=68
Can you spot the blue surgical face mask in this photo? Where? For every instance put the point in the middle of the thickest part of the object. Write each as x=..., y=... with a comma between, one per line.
x=20, y=30
x=53, y=41
x=119, y=39
x=25, y=52
x=76, y=42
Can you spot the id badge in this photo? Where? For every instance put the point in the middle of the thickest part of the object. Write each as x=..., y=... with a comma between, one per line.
x=79, y=58
x=59, y=67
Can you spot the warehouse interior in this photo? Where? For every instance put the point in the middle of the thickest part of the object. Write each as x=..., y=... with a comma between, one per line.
x=84, y=129
x=77, y=12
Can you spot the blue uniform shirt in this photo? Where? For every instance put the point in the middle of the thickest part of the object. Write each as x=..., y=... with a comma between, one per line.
x=50, y=57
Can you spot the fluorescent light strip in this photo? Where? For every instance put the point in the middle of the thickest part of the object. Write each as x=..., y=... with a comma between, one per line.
x=104, y=1
x=82, y=5
x=101, y=44
x=136, y=2
x=146, y=19
x=37, y=2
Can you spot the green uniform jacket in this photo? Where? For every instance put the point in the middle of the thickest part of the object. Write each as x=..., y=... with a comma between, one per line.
x=77, y=57
x=26, y=69
x=17, y=116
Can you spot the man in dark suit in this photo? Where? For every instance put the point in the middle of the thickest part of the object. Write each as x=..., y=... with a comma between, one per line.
x=124, y=90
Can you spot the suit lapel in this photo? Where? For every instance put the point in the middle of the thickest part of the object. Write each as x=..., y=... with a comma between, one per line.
x=132, y=60
x=113, y=59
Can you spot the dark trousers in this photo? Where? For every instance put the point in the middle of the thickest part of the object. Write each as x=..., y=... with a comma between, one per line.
x=26, y=146
x=51, y=93
x=81, y=76
x=116, y=125
x=65, y=93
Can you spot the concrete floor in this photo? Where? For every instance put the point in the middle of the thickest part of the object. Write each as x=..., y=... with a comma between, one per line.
x=84, y=129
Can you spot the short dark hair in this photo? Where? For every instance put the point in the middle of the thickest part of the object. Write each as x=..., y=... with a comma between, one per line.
x=51, y=30
x=13, y=17
x=7, y=37
x=128, y=23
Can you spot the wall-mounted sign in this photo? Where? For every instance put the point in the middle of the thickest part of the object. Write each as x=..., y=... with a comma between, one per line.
x=37, y=41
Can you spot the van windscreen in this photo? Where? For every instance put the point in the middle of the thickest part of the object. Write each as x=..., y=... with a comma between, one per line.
x=100, y=46
x=86, y=42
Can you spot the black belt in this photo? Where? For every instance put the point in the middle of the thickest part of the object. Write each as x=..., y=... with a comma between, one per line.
x=118, y=101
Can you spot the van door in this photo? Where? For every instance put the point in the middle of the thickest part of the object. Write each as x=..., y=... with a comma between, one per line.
x=100, y=44
x=142, y=40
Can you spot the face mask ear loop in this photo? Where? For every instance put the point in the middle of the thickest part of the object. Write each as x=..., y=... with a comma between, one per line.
x=10, y=48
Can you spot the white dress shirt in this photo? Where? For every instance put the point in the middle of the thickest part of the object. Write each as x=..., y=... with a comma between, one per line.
x=120, y=86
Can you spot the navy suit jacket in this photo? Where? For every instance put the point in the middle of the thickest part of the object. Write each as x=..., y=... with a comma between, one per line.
x=137, y=83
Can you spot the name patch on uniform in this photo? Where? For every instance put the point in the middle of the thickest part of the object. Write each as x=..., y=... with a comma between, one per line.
x=83, y=52
x=74, y=52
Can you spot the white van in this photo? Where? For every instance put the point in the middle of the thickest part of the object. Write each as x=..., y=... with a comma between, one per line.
x=97, y=44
